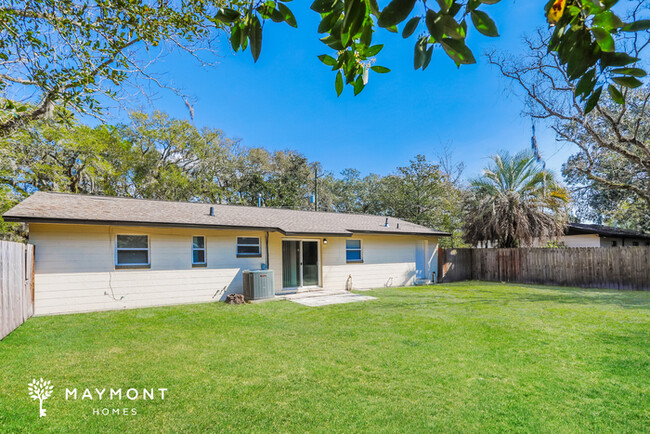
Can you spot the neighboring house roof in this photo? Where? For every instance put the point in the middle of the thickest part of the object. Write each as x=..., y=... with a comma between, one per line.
x=604, y=231
x=74, y=208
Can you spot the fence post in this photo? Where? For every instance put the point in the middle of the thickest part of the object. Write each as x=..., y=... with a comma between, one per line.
x=590, y=267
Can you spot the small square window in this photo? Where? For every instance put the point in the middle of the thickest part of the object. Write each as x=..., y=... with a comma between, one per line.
x=248, y=246
x=353, y=251
x=132, y=250
x=198, y=250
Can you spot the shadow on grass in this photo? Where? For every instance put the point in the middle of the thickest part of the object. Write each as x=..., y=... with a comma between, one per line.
x=503, y=293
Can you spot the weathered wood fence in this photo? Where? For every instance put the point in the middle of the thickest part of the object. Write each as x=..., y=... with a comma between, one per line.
x=16, y=285
x=591, y=267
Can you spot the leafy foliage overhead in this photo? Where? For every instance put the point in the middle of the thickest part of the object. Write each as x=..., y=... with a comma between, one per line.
x=72, y=53
x=75, y=53
x=610, y=169
x=584, y=37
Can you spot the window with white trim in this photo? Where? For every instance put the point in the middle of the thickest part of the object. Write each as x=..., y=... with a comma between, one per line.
x=132, y=250
x=248, y=246
x=353, y=251
x=198, y=250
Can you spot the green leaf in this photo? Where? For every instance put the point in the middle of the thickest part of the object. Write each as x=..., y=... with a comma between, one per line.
x=434, y=24
x=586, y=84
x=327, y=60
x=227, y=15
x=338, y=83
x=373, y=50
x=604, y=39
x=288, y=15
x=355, y=13
x=366, y=34
x=374, y=7
x=328, y=22
x=322, y=6
x=473, y=4
x=445, y=5
x=595, y=6
x=617, y=59
x=255, y=36
x=484, y=24
x=358, y=85
x=636, y=72
x=380, y=69
x=395, y=12
x=243, y=40
x=607, y=20
x=427, y=57
x=276, y=16
x=420, y=53
x=458, y=51
x=451, y=28
x=410, y=27
x=630, y=82
x=235, y=38
x=490, y=2
x=593, y=100
x=616, y=95
x=333, y=42
x=637, y=26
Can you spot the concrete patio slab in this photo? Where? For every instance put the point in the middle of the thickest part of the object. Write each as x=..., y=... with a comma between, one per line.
x=324, y=298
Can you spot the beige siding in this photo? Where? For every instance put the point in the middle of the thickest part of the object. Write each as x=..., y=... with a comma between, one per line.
x=75, y=266
x=388, y=260
x=586, y=240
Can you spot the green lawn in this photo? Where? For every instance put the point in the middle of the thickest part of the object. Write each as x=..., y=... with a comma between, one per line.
x=457, y=357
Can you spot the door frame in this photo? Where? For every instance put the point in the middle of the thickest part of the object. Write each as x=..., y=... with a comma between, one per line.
x=300, y=287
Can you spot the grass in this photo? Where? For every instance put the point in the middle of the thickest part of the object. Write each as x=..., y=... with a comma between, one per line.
x=458, y=357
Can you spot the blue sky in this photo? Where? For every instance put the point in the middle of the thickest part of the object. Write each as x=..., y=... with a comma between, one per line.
x=287, y=100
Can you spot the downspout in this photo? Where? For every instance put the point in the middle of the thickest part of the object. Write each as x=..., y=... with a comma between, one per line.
x=267, y=251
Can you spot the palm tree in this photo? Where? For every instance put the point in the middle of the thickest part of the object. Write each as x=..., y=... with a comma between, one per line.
x=514, y=202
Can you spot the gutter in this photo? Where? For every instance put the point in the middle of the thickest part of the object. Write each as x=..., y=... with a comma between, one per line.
x=136, y=223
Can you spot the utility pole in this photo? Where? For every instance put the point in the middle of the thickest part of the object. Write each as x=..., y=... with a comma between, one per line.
x=315, y=186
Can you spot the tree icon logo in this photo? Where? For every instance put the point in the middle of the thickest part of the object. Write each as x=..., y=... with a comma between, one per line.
x=41, y=390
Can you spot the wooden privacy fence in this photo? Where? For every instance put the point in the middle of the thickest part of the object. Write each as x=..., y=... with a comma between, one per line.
x=588, y=267
x=16, y=285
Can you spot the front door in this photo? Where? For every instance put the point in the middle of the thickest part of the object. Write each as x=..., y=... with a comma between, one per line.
x=300, y=265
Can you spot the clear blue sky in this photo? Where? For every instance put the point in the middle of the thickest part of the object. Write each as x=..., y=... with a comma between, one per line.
x=287, y=100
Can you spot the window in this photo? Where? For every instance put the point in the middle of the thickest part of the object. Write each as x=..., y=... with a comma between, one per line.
x=353, y=251
x=248, y=246
x=198, y=251
x=132, y=250
x=635, y=243
x=614, y=243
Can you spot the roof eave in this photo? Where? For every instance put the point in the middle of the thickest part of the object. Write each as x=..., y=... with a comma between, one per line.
x=429, y=234
x=137, y=223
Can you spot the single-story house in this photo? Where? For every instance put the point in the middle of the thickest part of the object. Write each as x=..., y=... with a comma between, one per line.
x=101, y=253
x=590, y=235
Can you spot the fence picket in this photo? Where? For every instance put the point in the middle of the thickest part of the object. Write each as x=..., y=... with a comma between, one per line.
x=16, y=285
x=589, y=267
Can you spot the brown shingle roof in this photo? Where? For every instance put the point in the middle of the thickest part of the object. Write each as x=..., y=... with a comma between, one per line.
x=74, y=208
x=605, y=231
